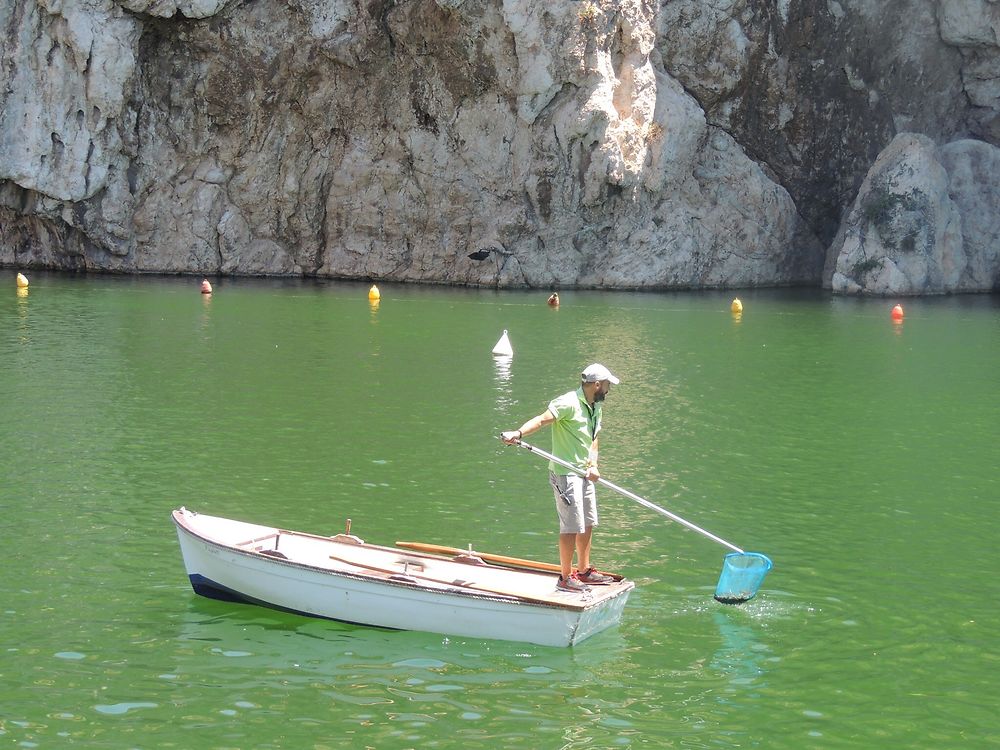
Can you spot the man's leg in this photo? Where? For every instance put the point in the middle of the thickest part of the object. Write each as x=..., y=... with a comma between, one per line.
x=568, y=493
x=567, y=543
x=583, y=549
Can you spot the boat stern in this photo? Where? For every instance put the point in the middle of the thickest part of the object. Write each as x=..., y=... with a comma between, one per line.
x=604, y=614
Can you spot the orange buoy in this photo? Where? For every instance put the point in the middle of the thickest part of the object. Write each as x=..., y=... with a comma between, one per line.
x=22, y=281
x=554, y=299
x=897, y=313
x=206, y=287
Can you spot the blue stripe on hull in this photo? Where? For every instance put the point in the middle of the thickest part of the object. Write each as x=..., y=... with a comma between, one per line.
x=208, y=588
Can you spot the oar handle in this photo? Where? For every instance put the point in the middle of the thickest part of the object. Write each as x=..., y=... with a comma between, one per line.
x=630, y=495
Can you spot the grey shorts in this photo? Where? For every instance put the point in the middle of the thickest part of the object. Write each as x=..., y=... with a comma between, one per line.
x=580, y=512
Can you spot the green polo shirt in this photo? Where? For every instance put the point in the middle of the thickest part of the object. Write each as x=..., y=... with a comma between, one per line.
x=575, y=429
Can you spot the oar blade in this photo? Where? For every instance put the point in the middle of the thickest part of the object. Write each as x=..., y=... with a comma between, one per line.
x=742, y=575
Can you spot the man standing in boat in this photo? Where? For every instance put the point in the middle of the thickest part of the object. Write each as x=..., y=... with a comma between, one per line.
x=575, y=418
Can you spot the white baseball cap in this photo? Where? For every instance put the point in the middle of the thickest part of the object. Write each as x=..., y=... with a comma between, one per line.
x=596, y=373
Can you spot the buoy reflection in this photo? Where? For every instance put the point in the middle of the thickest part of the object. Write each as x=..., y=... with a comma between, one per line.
x=503, y=368
x=502, y=373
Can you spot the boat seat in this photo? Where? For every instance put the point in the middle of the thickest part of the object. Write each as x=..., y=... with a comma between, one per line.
x=259, y=539
x=469, y=558
x=347, y=539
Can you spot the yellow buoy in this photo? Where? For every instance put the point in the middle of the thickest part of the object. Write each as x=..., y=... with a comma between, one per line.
x=373, y=293
x=22, y=281
x=737, y=306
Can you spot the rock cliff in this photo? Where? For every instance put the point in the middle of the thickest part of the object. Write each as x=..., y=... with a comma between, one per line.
x=538, y=143
x=925, y=220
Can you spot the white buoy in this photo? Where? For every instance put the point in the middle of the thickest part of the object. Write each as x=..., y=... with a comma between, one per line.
x=503, y=348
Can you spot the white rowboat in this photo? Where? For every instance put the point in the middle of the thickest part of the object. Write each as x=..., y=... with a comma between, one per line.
x=342, y=578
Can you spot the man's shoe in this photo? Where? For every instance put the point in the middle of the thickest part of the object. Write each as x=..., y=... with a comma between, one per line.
x=592, y=575
x=571, y=584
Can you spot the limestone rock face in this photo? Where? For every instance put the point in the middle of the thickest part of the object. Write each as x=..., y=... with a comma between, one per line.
x=924, y=222
x=66, y=71
x=973, y=26
x=973, y=169
x=602, y=143
x=815, y=89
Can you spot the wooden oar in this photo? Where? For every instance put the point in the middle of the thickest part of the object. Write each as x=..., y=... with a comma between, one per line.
x=502, y=559
x=554, y=600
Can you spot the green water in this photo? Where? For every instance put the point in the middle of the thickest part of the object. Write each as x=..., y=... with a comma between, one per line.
x=860, y=455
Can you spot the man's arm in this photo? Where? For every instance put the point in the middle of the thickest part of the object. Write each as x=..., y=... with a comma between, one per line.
x=535, y=423
x=592, y=473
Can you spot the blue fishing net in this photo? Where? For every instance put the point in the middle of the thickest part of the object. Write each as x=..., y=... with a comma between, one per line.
x=742, y=575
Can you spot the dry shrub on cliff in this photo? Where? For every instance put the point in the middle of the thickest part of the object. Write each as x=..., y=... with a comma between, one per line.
x=588, y=14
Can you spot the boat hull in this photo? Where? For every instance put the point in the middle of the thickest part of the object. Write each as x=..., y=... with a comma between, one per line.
x=310, y=584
